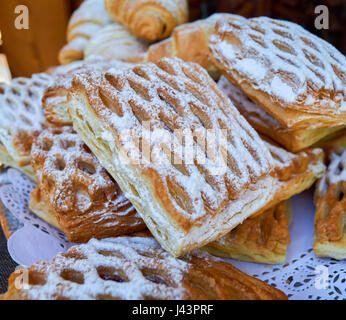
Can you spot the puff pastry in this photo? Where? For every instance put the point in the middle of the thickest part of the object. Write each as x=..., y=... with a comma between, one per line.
x=116, y=42
x=189, y=42
x=55, y=100
x=148, y=19
x=76, y=190
x=330, y=217
x=263, y=238
x=187, y=201
x=335, y=142
x=293, y=140
x=137, y=269
x=293, y=174
x=295, y=76
x=89, y=18
x=21, y=119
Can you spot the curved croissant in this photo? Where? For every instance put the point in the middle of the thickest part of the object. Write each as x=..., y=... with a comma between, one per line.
x=151, y=20
x=90, y=17
x=189, y=42
x=116, y=42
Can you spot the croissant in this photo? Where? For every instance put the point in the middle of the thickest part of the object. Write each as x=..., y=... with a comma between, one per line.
x=116, y=42
x=189, y=42
x=148, y=19
x=90, y=17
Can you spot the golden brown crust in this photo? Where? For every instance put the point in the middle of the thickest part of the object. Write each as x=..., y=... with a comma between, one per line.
x=189, y=42
x=137, y=268
x=266, y=124
x=76, y=191
x=294, y=173
x=296, y=77
x=178, y=96
x=89, y=18
x=21, y=119
x=55, y=100
x=335, y=142
x=263, y=238
x=330, y=216
x=149, y=20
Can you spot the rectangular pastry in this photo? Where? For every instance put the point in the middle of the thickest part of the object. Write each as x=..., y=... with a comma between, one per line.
x=74, y=192
x=295, y=76
x=292, y=139
x=136, y=269
x=54, y=100
x=262, y=238
x=21, y=119
x=140, y=124
x=330, y=216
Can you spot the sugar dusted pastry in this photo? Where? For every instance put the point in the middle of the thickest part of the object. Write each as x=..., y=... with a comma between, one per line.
x=195, y=198
x=55, y=102
x=293, y=140
x=21, y=119
x=293, y=174
x=76, y=191
x=330, y=217
x=116, y=42
x=295, y=76
x=89, y=18
x=263, y=238
x=137, y=269
x=148, y=19
x=189, y=42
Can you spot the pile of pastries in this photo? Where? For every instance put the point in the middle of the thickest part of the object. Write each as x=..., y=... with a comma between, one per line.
x=159, y=146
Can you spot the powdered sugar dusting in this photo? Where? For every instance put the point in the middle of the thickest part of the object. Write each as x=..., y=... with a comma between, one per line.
x=290, y=64
x=73, y=182
x=335, y=174
x=177, y=96
x=21, y=115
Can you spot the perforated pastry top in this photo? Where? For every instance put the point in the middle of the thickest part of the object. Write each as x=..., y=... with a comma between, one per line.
x=278, y=63
x=54, y=100
x=21, y=115
x=162, y=102
x=79, y=192
x=138, y=268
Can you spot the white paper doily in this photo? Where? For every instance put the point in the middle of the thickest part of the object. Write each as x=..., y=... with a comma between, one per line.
x=303, y=276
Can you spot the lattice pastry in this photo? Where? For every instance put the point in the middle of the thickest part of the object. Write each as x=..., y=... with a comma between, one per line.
x=293, y=140
x=295, y=76
x=147, y=19
x=76, y=190
x=330, y=217
x=54, y=101
x=116, y=42
x=21, y=119
x=85, y=22
x=293, y=174
x=137, y=269
x=140, y=124
x=263, y=238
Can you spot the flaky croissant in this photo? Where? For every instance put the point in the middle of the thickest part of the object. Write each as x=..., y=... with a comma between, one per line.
x=89, y=18
x=116, y=42
x=151, y=20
